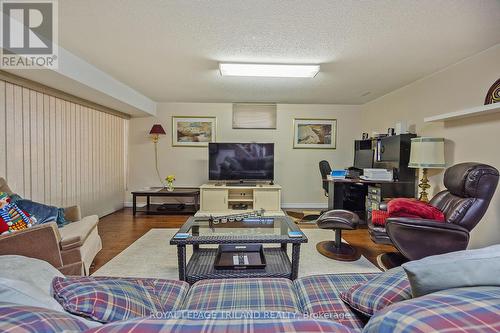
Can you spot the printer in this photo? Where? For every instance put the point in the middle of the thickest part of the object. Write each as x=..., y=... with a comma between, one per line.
x=377, y=174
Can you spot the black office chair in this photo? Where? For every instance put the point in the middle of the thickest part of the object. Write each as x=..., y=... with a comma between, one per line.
x=325, y=170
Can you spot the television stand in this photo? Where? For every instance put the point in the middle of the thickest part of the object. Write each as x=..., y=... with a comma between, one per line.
x=232, y=197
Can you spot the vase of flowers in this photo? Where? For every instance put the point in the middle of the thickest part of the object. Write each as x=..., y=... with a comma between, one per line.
x=170, y=182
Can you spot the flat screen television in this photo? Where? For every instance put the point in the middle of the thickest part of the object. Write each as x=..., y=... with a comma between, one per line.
x=241, y=161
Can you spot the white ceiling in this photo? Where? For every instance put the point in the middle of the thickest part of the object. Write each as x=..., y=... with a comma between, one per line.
x=169, y=50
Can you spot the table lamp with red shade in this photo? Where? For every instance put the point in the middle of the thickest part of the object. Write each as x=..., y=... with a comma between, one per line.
x=156, y=131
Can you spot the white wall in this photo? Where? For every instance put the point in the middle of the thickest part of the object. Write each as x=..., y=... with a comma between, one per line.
x=457, y=87
x=296, y=170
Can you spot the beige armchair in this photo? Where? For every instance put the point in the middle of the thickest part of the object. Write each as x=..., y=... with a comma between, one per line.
x=71, y=249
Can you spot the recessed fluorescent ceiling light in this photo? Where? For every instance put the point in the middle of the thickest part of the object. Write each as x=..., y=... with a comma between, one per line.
x=268, y=70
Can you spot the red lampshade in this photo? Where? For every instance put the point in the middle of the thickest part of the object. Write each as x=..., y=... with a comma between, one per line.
x=157, y=129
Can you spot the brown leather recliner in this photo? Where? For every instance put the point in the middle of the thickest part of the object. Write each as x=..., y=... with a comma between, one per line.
x=469, y=189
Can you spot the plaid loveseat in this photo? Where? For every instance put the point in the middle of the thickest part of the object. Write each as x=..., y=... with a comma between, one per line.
x=308, y=304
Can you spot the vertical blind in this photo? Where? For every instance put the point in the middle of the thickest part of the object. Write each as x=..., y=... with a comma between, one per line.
x=59, y=152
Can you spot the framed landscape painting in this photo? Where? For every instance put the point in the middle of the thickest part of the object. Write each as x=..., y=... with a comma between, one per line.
x=315, y=133
x=193, y=131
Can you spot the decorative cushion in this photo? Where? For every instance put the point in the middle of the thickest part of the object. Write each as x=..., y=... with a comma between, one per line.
x=215, y=322
x=319, y=296
x=37, y=273
x=369, y=297
x=4, y=227
x=23, y=293
x=28, y=319
x=263, y=294
x=405, y=207
x=467, y=268
x=464, y=310
x=43, y=213
x=12, y=217
x=110, y=299
x=28, y=281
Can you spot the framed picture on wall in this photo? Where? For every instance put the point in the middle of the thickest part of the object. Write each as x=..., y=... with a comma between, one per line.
x=190, y=131
x=315, y=133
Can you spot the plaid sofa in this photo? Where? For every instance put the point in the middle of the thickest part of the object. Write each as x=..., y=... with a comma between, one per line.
x=308, y=304
x=243, y=294
x=319, y=295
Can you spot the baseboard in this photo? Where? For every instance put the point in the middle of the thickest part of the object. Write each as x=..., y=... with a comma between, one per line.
x=129, y=204
x=284, y=206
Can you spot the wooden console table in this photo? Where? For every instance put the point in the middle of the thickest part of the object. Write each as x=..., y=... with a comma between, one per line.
x=155, y=209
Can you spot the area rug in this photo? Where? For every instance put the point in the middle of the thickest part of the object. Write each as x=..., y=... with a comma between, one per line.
x=153, y=256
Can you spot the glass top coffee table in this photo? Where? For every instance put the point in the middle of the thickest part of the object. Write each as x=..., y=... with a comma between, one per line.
x=271, y=231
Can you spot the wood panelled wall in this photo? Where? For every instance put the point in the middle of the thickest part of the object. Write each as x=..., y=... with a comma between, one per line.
x=59, y=152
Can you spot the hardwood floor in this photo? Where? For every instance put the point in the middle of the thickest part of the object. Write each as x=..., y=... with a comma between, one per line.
x=121, y=229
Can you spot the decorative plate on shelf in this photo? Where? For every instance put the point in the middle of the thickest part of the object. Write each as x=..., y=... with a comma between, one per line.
x=493, y=95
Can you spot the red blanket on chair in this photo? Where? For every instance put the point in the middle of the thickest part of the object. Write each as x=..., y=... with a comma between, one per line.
x=405, y=207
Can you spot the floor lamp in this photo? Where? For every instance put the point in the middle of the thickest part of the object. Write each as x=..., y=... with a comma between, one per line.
x=426, y=153
x=155, y=133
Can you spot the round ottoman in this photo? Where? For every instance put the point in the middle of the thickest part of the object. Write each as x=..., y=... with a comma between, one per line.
x=338, y=220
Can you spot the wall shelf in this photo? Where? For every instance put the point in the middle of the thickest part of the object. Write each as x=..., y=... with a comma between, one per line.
x=471, y=112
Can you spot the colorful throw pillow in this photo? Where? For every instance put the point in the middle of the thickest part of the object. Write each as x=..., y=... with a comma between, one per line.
x=4, y=227
x=110, y=299
x=29, y=319
x=13, y=218
x=387, y=288
x=14, y=197
x=406, y=207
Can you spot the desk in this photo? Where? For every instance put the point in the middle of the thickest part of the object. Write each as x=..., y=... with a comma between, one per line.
x=390, y=188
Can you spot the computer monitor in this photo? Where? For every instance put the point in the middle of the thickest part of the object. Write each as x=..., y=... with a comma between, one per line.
x=363, y=159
